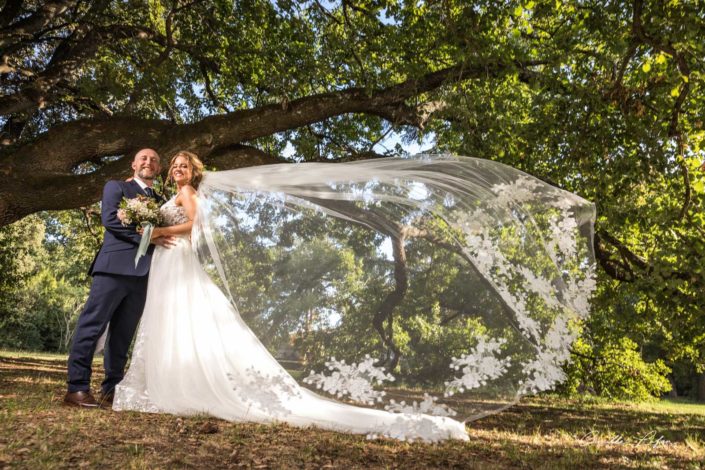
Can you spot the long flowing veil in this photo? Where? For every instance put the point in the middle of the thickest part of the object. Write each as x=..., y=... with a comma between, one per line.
x=434, y=283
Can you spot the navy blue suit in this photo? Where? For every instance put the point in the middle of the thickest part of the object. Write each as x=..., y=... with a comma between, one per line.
x=117, y=295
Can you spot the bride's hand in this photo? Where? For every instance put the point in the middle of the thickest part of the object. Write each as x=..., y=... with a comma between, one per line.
x=166, y=241
x=156, y=233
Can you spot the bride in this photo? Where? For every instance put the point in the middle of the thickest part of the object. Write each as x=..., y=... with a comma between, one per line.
x=194, y=353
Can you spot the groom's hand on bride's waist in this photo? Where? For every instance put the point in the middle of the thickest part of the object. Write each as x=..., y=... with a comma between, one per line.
x=166, y=241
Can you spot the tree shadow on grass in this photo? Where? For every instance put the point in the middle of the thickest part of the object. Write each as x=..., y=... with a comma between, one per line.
x=35, y=383
x=632, y=425
x=532, y=434
x=532, y=416
x=19, y=366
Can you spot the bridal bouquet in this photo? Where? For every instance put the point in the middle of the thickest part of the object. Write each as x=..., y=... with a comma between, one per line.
x=140, y=210
x=144, y=212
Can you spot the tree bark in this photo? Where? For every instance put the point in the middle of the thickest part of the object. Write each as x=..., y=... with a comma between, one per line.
x=701, y=387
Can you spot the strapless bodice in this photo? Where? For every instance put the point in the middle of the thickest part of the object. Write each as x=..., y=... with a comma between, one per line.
x=172, y=214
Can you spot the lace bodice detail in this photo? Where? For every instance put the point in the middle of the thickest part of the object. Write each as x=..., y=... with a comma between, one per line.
x=172, y=214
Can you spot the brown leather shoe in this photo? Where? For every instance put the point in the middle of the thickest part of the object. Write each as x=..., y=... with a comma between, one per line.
x=106, y=399
x=80, y=399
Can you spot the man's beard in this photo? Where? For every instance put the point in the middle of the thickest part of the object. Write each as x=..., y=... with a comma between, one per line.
x=142, y=176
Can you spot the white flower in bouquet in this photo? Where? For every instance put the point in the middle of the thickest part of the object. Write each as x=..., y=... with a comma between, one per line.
x=140, y=210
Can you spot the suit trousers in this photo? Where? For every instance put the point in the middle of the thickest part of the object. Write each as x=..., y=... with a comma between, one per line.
x=119, y=301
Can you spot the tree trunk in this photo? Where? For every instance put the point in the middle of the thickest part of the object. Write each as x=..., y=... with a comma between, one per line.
x=701, y=388
x=674, y=391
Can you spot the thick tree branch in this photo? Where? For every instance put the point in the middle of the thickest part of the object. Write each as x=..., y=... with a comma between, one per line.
x=631, y=266
x=686, y=178
x=87, y=213
x=625, y=252
x=399, y=233
x=622, y=269
x=385, y=312
x=323, y=10
x=465, y=311
x=209, y=90
x=34, y=23
x=73, y=52
x=39, y=171
x=9, y=12
x=628, y=56
x=12, y=129
x=240, y=156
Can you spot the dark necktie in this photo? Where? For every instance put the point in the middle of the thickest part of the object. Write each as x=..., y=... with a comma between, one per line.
x=149, y=191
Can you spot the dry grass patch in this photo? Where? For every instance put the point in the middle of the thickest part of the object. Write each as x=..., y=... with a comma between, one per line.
x=37, y=432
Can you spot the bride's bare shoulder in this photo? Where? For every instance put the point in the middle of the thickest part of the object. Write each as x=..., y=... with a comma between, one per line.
x=185, y=192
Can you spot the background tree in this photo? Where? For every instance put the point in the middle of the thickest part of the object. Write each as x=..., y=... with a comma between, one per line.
x=44, y=280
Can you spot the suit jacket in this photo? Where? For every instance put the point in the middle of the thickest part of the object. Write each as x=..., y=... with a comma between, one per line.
x=120, y=243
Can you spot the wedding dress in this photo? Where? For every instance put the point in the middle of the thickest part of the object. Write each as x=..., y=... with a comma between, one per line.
x=194, y=355
x=517, y=258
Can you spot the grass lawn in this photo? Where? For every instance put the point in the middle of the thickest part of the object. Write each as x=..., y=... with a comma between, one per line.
x=36, y=432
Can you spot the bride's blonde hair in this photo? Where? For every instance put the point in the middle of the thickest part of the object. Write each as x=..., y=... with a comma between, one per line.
x=196, y=167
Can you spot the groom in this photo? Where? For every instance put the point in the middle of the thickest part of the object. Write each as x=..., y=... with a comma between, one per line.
x=118, y=290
